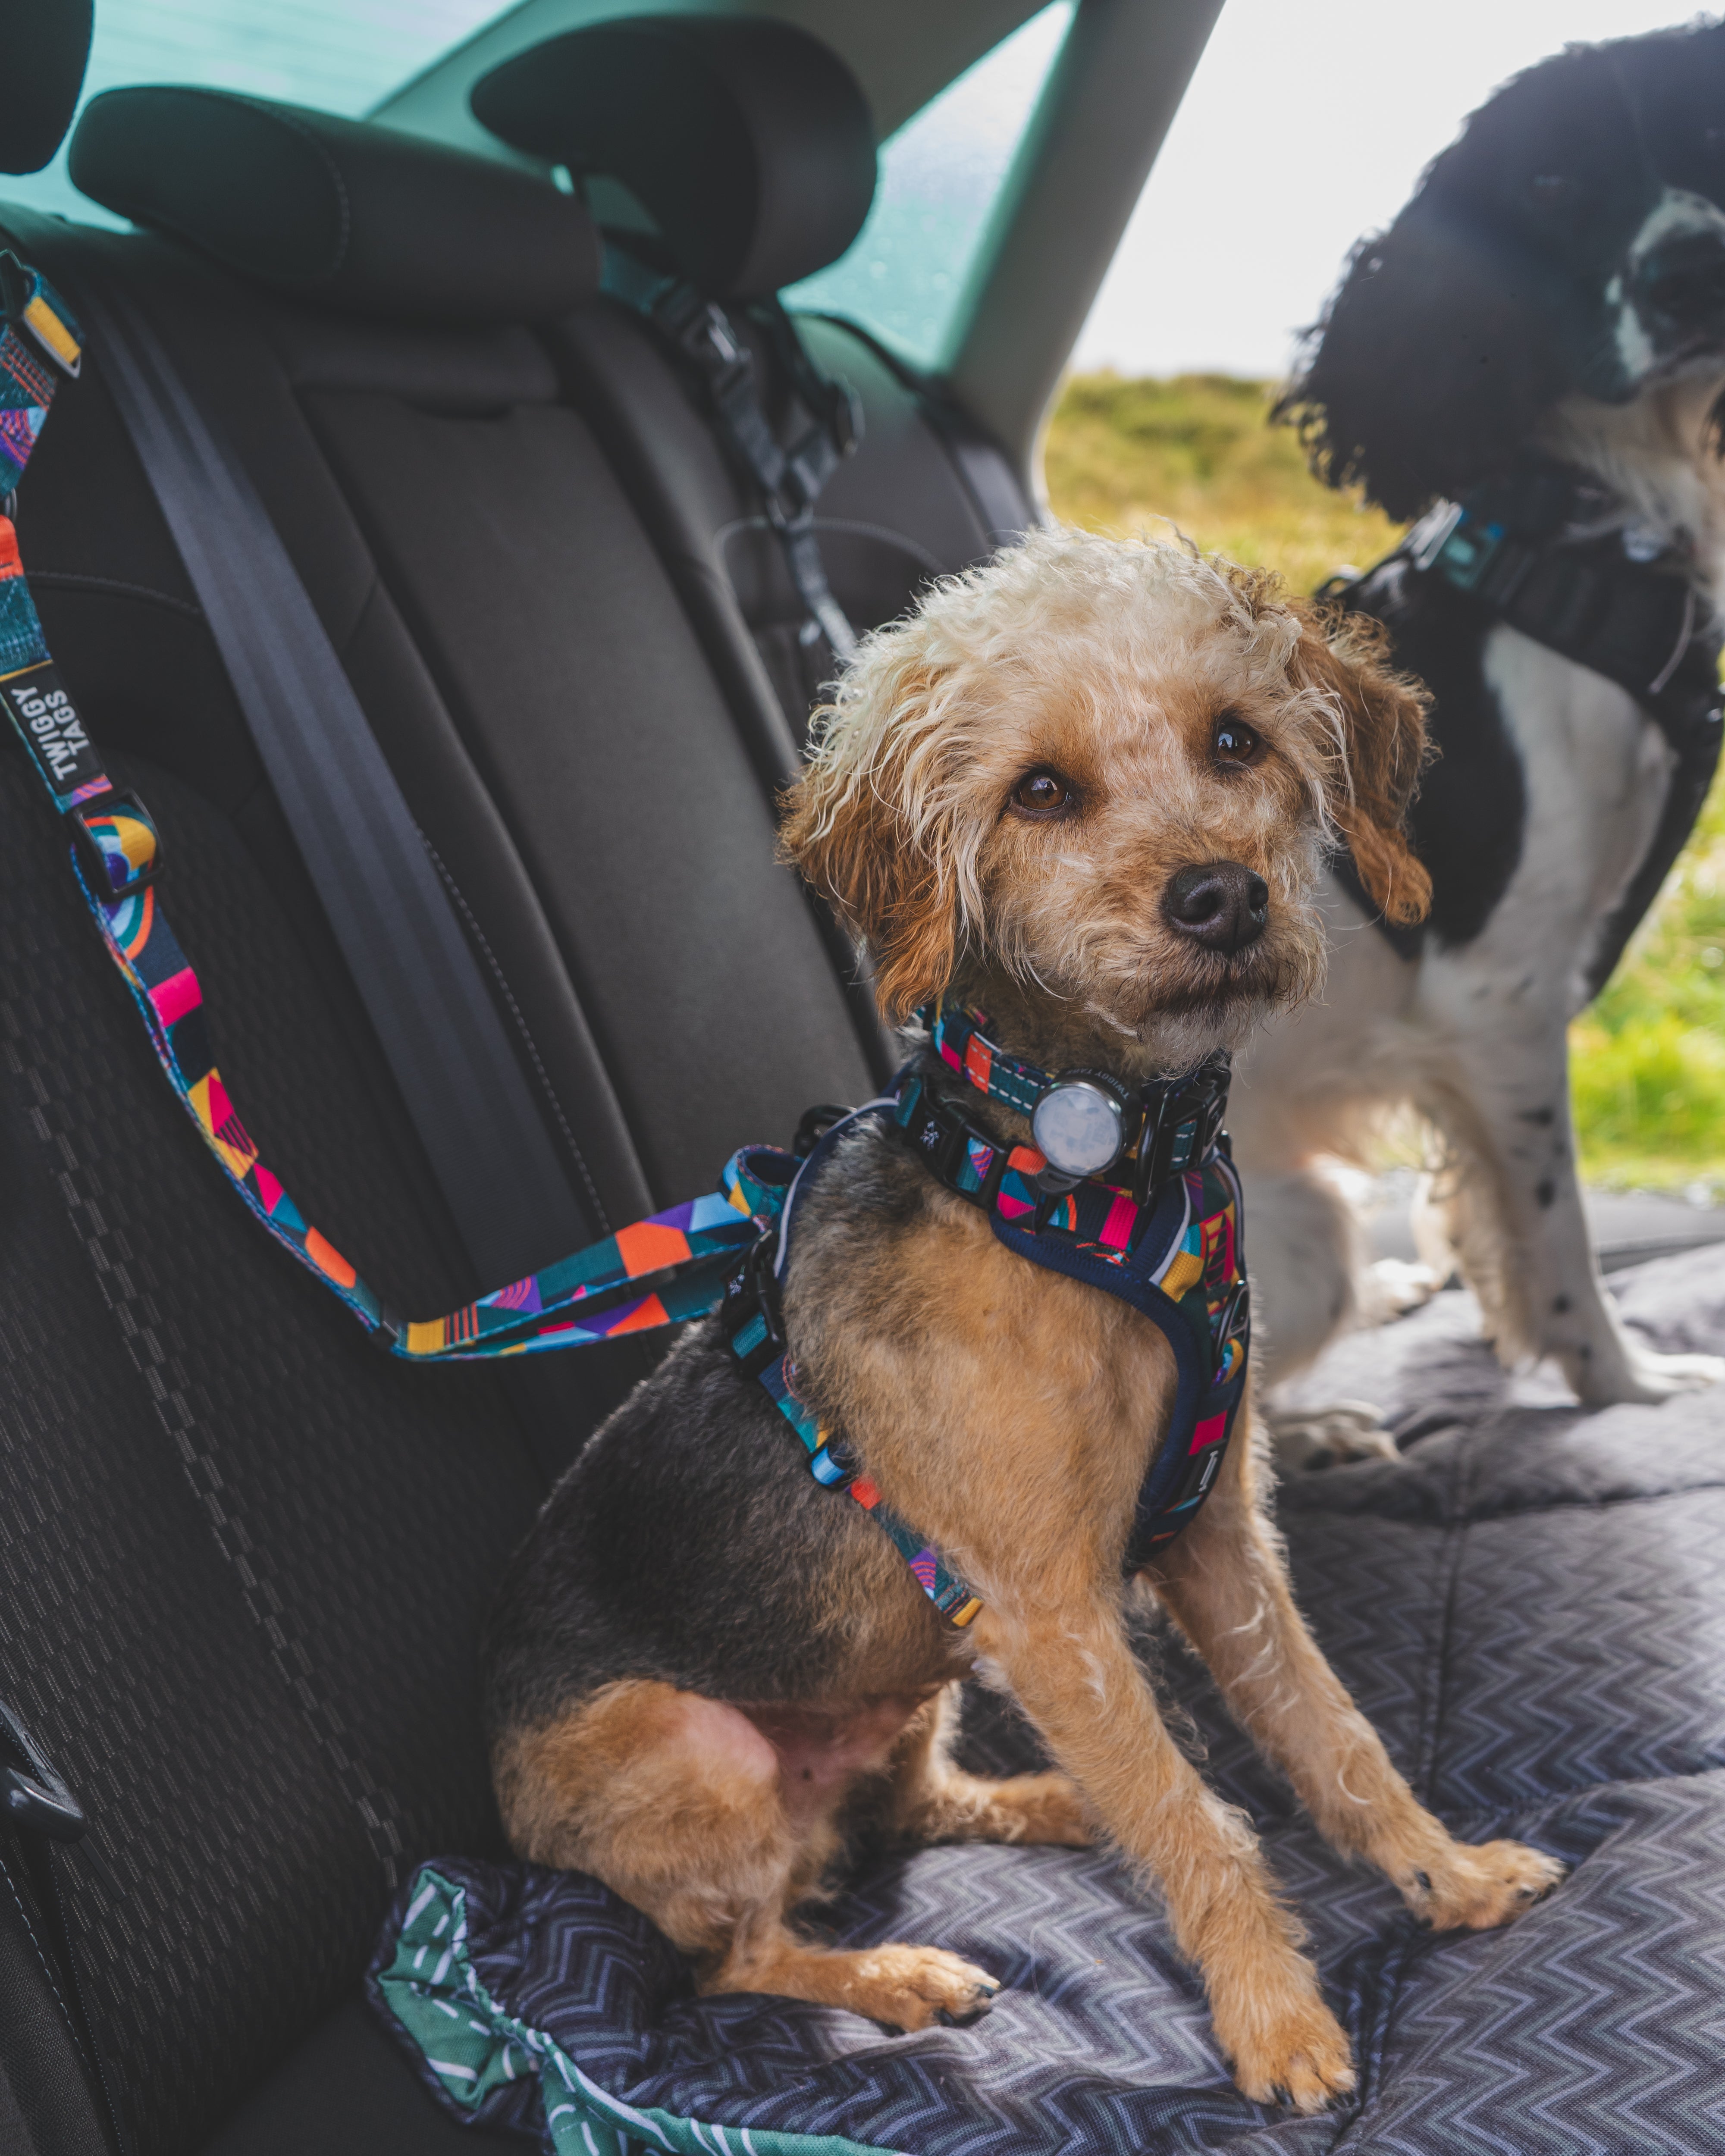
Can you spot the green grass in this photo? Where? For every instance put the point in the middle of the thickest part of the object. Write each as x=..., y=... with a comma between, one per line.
x=1648, y=1058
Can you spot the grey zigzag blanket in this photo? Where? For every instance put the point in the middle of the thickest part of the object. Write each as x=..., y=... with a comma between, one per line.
x=1533, y=1611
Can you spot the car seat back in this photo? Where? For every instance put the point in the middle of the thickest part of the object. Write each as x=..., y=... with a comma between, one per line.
x=737, y=154
x=247, y=1557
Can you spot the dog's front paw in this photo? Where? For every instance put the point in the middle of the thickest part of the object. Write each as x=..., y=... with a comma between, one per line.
x=1287, y=2047
x=1476, y=1888
x=1326, y=1436
x=1652, y=1378
x=1393, y=1288
x=906, y=1988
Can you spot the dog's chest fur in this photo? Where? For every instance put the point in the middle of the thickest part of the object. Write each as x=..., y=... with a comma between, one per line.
x=1009, y=1412
x=1546, y=792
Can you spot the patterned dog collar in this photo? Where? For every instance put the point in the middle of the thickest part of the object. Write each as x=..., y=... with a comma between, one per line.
x=1088, y=1122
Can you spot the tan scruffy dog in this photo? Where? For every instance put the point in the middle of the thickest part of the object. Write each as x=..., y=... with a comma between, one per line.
x=705, y=1669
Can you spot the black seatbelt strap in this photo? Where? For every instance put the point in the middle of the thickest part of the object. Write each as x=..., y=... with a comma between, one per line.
x=788, y=480
x=416, y=972
x=39, y=1814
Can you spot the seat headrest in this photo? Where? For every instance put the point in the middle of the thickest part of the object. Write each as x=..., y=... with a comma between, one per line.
x=47, y=50
x=748, y=141
x=356, y=218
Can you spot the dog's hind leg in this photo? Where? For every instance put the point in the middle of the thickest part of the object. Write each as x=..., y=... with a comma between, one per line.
x=930, y=1800
x=1224, y=1584
x=1509, y=1199
x=690, y=1811
x=1495, y=1010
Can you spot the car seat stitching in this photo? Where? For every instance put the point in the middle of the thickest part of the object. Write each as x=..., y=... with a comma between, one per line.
x=168, y=1385
x=75, y=580
x=293, y=127
x=162, y=221
x=46, y=1961
x=522, y=1028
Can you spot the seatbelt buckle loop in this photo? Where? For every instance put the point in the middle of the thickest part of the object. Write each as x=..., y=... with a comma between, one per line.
x=32, y=308
x=35, y=1798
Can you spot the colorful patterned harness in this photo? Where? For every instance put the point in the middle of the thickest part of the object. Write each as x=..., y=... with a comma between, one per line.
x=1176, y=1258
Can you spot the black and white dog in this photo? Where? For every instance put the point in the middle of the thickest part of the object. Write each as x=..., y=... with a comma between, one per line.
x=1532, y=360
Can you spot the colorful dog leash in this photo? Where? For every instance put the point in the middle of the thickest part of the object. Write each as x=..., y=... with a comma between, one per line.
x=682, y=1262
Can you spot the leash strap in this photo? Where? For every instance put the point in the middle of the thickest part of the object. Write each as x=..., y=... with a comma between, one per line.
x=788, y=480
x=654, y=1272
x=753, y=1323
x=679, y=1263
x=676, y=1265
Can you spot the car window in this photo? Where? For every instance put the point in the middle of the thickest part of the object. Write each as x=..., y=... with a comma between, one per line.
x=940, y=176
x=338, y=55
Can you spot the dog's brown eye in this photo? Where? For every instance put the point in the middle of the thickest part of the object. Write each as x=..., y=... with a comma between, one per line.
x=1234, y=740
x=1043, y=793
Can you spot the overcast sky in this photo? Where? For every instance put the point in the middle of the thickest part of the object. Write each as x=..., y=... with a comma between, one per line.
x=1307, y=123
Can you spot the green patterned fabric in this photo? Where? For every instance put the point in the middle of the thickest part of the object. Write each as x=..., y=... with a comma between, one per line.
x=474, y=2046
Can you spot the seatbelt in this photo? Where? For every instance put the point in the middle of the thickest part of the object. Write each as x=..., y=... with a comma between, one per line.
x=1172, y=1252
x=788, y=480
x=417, y=974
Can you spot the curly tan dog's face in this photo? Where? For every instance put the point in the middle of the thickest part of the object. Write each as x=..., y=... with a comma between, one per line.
x=1147, y=841
x=1100, y=778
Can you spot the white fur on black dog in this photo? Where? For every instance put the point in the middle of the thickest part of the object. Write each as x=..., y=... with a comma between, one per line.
x=1557, y=286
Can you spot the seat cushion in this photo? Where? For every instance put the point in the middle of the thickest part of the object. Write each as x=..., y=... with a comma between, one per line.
x=1530, y=1607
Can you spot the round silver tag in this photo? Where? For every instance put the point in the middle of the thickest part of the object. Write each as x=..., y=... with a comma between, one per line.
x=1079, y=1127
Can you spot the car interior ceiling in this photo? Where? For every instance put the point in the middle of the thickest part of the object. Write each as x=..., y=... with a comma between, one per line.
x=247, y=1554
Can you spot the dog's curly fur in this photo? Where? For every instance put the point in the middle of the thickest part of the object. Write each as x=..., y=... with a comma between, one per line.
x=704, y=1671
x=1554, y=289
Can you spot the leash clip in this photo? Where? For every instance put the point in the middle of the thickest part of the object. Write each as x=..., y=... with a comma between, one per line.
x=1432, y=534
x=1181, y=1127
x=34, y=311
x=751, y=1316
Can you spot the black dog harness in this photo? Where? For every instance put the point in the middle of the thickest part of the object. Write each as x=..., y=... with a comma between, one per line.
x=1544, y=549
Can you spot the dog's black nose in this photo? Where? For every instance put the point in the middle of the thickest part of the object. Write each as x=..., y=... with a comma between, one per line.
x=1683, y=279
x=1220, y=904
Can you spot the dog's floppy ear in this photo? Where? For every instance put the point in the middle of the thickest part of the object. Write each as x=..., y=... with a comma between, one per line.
x=872, y=823
x=1375, y=757
x=1433, y=360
